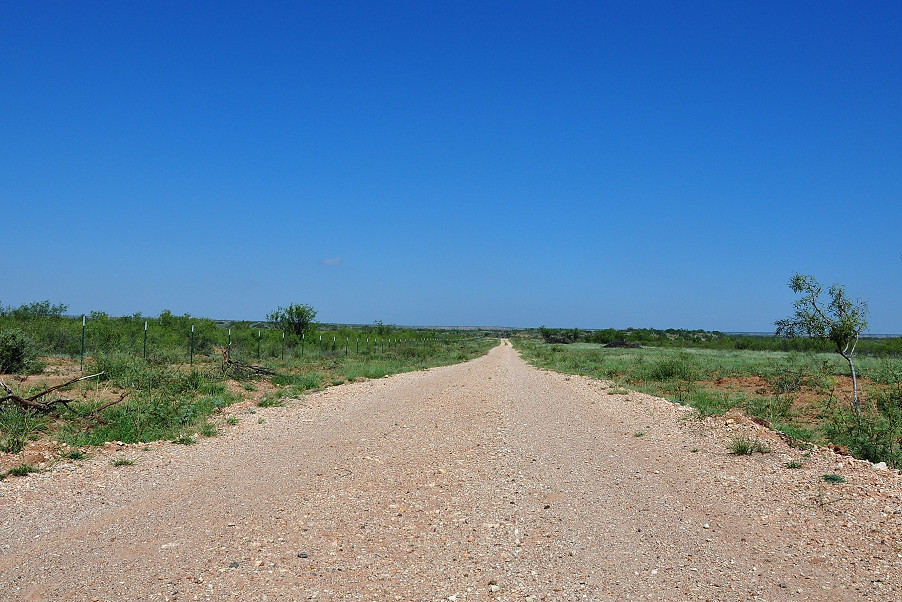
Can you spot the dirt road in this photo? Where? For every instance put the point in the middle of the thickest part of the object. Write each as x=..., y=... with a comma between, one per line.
x=489, y=480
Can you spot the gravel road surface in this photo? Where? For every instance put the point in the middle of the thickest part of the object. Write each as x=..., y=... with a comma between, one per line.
x=488, y=480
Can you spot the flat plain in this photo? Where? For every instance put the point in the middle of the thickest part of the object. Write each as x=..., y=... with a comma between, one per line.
x=488, y=480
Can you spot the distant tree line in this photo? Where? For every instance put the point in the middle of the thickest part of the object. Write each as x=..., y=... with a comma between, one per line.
x=706, y=339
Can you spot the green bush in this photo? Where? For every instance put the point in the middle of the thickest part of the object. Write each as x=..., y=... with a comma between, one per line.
x=876, y=433
x=17, y=351
x=679, y=367
x=676, y=373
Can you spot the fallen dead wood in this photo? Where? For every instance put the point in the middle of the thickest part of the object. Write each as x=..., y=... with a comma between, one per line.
x=95, y=415
x=238, y=369
x=35, y=403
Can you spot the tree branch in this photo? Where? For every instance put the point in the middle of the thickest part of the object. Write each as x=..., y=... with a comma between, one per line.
x=33, y=403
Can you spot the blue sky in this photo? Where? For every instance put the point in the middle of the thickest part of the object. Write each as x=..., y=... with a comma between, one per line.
x=597, y=164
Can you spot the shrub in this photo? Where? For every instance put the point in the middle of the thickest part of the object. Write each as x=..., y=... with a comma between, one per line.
x=678, y=374
x=17, y=351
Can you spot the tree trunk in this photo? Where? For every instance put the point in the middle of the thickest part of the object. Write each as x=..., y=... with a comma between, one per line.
x=854, y=384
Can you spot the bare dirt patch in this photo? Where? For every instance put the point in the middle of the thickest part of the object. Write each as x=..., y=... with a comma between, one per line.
x=806, y=401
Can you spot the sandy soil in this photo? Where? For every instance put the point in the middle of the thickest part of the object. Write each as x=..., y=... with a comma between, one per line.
x=489, y=480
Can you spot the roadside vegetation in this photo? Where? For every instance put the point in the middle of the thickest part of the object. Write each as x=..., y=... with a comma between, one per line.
x=808, y=395
x=172, y=377
x=802, y=381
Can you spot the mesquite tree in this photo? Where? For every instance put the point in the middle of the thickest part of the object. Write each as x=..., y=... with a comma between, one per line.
x=295, y=319
x=840, y=321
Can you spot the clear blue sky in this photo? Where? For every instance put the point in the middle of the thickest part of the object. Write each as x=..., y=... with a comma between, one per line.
x=596, y=164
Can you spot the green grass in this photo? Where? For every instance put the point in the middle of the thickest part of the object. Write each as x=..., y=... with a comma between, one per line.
x=123, y=462
x=21, y=470
x=169, y=400
x=208, y=429
x=18, y=427
x=145, y=416
x=182, y=402
x=171, y=368
x=833, y=478
x=715, y=403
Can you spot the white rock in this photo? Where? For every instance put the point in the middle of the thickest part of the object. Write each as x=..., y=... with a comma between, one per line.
x=879, y=466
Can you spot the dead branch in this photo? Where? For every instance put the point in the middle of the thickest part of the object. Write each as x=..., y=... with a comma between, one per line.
x=34, y=402
x=240, y=369
x=95, y=415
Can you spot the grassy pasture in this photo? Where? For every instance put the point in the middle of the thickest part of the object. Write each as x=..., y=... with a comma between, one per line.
x=170, y=397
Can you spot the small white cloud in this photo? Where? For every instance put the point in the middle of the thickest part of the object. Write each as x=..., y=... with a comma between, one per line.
x=333, y=261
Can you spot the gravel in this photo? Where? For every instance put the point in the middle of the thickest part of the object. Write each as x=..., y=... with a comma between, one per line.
x=488, y=480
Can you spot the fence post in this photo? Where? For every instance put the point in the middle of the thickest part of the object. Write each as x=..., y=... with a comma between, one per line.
x=302, y=344
x=145, y=340
x=192, y=345
x=258, y=344
x=283, y=344
x=83, y=320
x=347, y=340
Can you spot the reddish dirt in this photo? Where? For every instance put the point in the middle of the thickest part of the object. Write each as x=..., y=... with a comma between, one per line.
x=806, y=402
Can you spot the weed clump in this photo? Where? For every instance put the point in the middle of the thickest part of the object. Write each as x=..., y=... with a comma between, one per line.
x=22, y=470
x=18, y=427
x=743, y=445
x=271, y=401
